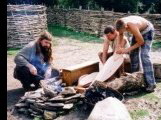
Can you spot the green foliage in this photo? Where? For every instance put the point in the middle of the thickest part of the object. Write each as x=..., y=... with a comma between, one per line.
x=151, y=6
x=158, y=6
x=141, y=6
x=76, y=3
x=136, y=114
x=119, y=6
x=61, y=31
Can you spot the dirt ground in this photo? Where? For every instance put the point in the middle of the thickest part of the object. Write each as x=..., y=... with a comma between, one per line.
x=70, y=52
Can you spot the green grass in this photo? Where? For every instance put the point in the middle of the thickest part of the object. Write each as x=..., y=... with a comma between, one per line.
x=60, y=31
x=151, y=97
x=37, y=118
x=144, y=95
x=12, y=51
x=136, y=114
x=159, y=118
x=156, y=44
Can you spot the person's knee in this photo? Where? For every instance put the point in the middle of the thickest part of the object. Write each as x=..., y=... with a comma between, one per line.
x=99, y=54
x=21, y=69
x=21, y=72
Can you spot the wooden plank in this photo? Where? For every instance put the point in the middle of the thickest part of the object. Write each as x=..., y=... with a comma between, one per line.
x=110, y=67
x=71, y=74
x=87, y=79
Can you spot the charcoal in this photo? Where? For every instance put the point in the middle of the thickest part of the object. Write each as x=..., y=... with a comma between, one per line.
x=98, y=92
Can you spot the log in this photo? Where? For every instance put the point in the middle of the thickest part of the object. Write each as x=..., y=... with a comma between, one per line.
x=157, y=69
x=127, y=82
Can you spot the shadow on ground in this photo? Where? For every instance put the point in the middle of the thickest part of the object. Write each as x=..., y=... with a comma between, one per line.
x=13, y=96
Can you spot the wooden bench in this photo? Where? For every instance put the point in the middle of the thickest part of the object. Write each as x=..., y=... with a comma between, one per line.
x=71, y=74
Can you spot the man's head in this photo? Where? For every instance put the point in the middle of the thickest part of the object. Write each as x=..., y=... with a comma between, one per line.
x=44, y=45
x=45, y=39
x=110, y=32
x=120, y=26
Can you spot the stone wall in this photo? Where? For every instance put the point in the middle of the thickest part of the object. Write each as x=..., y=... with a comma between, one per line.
x=24, y=24
x=92, y=21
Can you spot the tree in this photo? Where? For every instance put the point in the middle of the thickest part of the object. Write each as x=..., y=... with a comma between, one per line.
x=149, y=6
x=46, y=2
x=158, y=6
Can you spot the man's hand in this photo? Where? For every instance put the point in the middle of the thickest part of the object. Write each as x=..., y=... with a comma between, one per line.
x=122, y=51
x=32, y=69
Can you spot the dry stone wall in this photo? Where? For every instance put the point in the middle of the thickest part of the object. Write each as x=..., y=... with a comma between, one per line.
x=24, y=24
x=94, y=22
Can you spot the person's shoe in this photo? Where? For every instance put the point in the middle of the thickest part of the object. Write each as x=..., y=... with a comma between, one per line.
x=150, y=88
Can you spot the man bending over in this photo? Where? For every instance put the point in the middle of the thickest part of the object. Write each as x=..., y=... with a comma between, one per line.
x=143, y=33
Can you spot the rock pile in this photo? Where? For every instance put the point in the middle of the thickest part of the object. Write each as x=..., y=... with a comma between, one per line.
x=47, y=103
